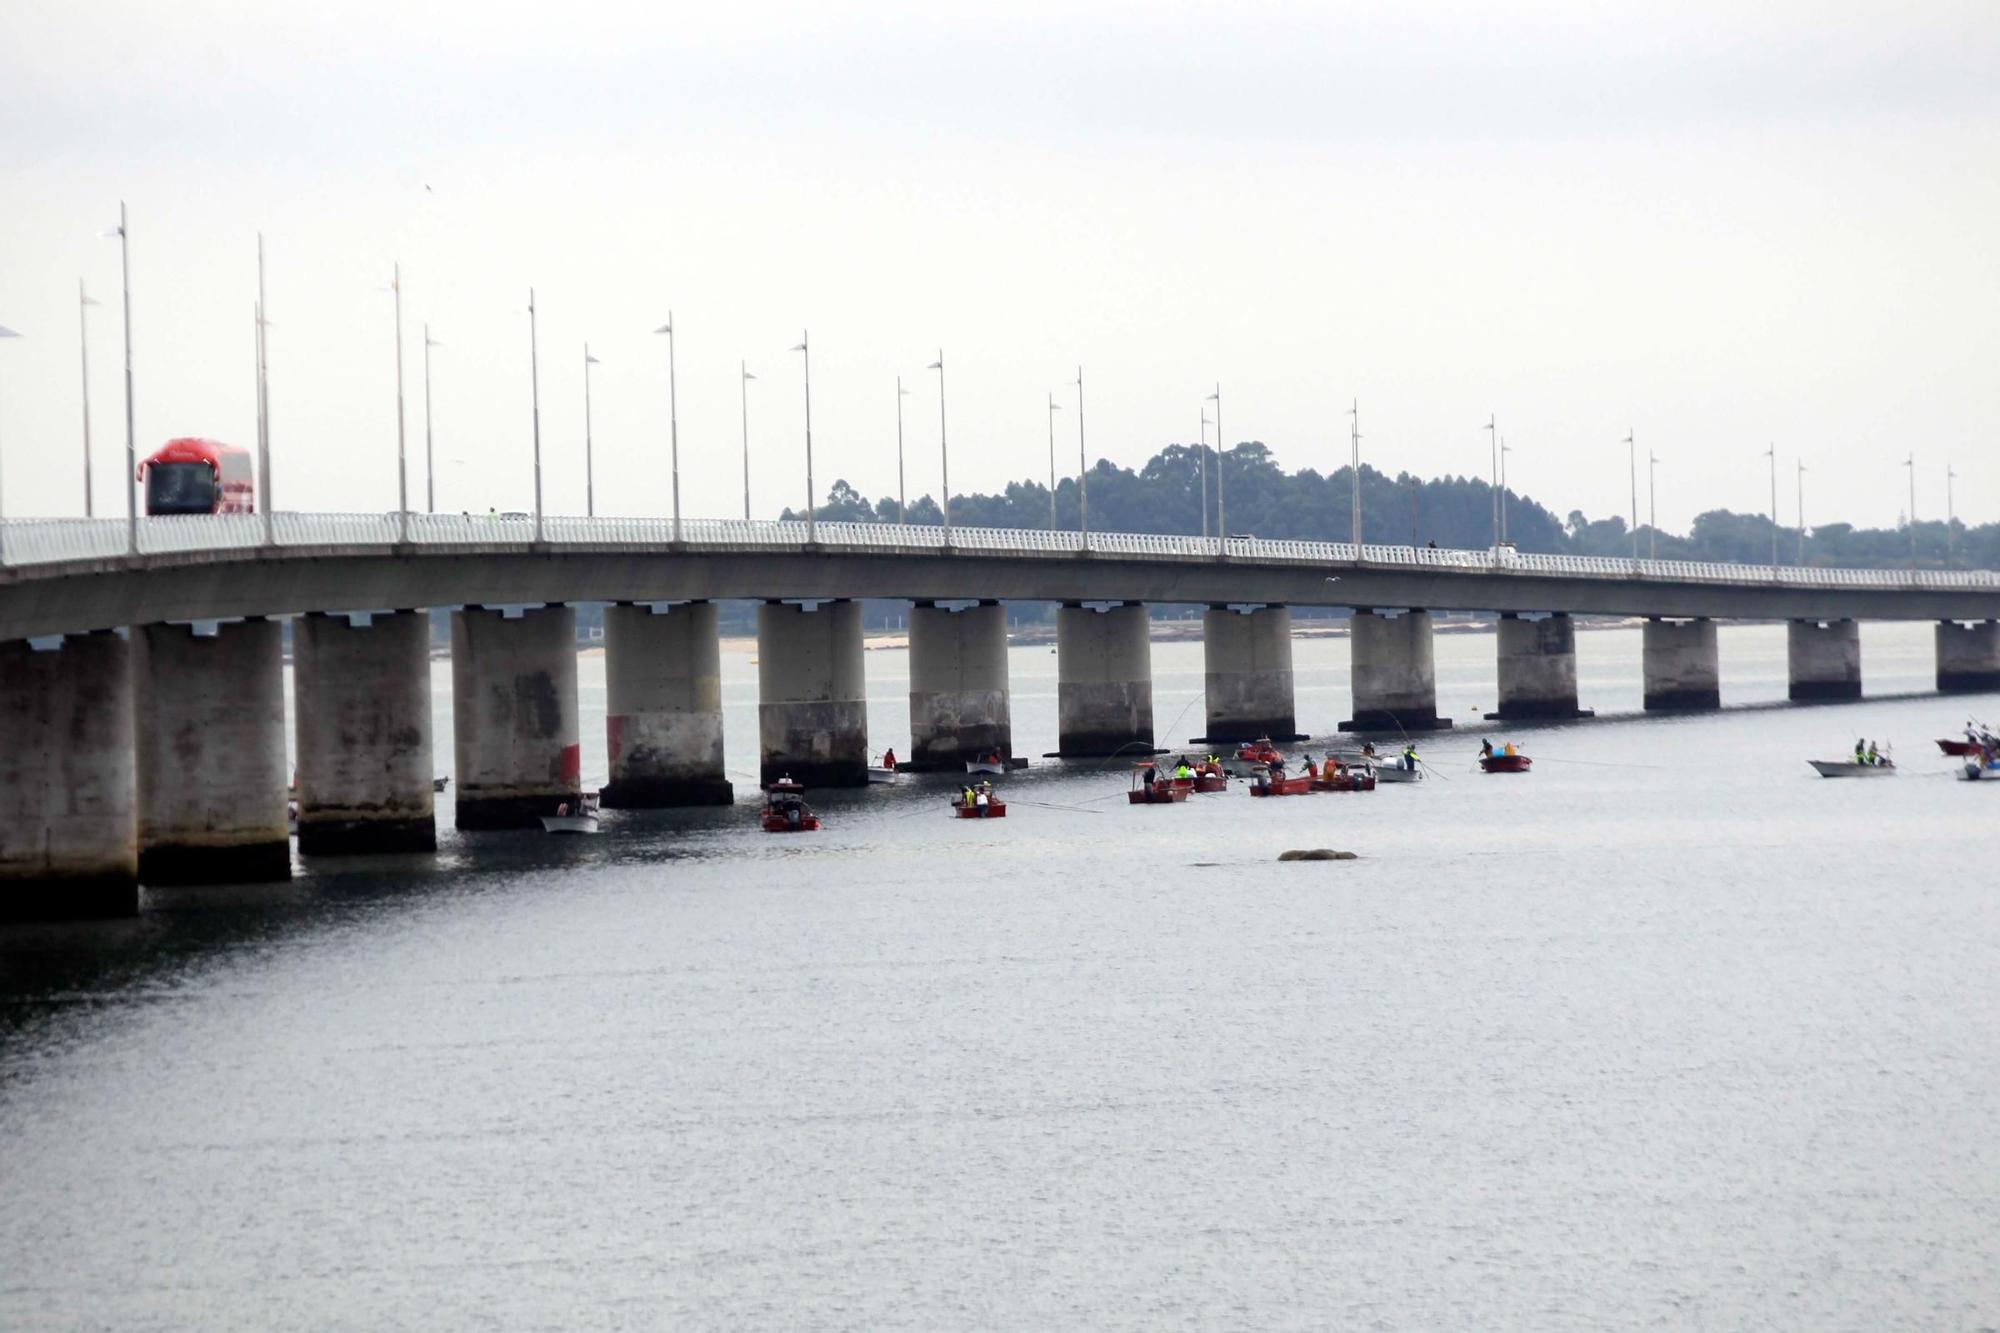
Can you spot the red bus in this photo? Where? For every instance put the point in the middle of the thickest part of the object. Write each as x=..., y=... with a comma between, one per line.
x=196, y=476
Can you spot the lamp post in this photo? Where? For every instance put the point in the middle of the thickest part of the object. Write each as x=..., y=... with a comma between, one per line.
x=1772, y=454
x=535, y=400
x=264, y=488
x=1911, y=464
x=1493, y=447
x=1802, y=512
x=1652, y=505
x=944, y=448
x=1082, y=468
x=1205, y=424
x=83, y=305
x=1355, y=464
x=1506, y=449
x=902, y=490
x=673, y=422
x=5, y=333
x=1950, y=512
x=1221, y=473
x=430, y=464
x=402, y=451
x=131, y=435
x=1632, y=461
x=1052, y=460
x=805, y=351
x=589, y=445
x=743, y=384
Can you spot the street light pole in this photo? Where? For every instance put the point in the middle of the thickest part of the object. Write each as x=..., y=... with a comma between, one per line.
x=944, y=448
x=1911, y=464
x=1493, y=447
x=902, y=490
x=674, y=421
x=402, y=451
x=1632, y=461
x=1772, y=454
x=264, y=402
x=1205, y=424
x=1505, y=449
x=812, y=518
x=1052, y=460
x=535, y=400
x=743, y=384
x=589, y=444
x=1802, y=512
x=1950, y=512
x=5, y=333
x=1652, y=505
x=131, y=434
x=1082, y=468
x=430, y=464
x=1355, y=466
x=83, y=305
x=1221, y=474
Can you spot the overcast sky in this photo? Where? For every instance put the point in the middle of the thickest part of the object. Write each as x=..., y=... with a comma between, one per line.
x=1721, y=226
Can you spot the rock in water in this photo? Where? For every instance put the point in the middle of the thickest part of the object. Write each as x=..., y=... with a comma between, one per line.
x=1316, y=854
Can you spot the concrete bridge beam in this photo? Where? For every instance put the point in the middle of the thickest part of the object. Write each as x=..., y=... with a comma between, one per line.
x=1104, y=681
x=959, y=702
x=1537, y=663
x=1247, y=656
x=1394, y=673
x=812, y=710
x=1825, y=660
x=663, y=707
x=362, y=724
x=1682, y=669
x=211, y=751
x=1968, y=657
x=69, y=792
x=514, y=718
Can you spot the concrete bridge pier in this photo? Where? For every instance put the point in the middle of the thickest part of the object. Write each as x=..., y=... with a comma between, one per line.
x=1537, y=660
x=1394, y=674
x=1247, y=657
x=69, y=792
x=211, y=749
x=1104, y=681
x=812, y=711
x=514, y=719
x=1968, y=657
x=1682, y=670
x=1825, y=659
x=362, y=725
x=663, y=707
x=959, y=704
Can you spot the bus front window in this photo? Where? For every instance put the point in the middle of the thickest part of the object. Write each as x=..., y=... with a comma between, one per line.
x=180, y=488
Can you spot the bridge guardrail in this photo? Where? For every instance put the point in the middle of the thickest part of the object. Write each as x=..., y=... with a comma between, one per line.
x=36, y=541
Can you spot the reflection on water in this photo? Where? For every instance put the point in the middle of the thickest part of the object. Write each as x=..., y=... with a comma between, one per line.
x=1667, y=1032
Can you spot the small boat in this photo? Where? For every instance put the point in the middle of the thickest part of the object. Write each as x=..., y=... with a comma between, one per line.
x=1210, y=778
x=1505, y=763
x=785, y=809
x=1150, y=787
x=439, y=784
x=1262, y=785
x=1847, y=768
x=1958, y=749
x=1259, y=751
x=991, y=766
x=1975, y=771
x=1348, y=779
x=579, y=816
x=1396, y=773
x=881, y=776
x=982, y=804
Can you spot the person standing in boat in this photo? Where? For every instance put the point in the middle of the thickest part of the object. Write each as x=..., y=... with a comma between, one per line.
x=1860, y=750
x=1874, y=756
x=889, y=759
x=1485, y=748
x=1410, y=757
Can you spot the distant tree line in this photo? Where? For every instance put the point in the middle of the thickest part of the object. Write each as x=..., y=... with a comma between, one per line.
x=1264, y=500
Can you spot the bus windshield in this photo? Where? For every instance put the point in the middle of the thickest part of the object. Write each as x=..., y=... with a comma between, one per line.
x=180, y=488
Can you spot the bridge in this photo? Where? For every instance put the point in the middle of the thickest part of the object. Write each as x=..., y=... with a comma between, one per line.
x=141, y=669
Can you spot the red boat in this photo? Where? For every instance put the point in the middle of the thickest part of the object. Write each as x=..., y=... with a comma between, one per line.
x=1262, y=785
x=1505, y=763
x=1352, y=779
x=1958, y=749
x=1211, y=782
x=785, y=809
x=1149, y=788
x=1259, y=751
x=992, y=807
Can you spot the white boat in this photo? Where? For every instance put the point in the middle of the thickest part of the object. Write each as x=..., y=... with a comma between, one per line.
x=881, y=777
x=439, y=784
x=578, y=818
x=1847, y=768
x=1974, y=771
x=990, y=767
x=1393, y=773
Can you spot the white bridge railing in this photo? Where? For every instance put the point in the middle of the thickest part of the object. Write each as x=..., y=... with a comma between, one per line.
x=30, y=542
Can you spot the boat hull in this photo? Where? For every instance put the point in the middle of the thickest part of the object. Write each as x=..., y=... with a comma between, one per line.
x=1299, y=786
x=1958, y=749
x=1393, y=774
x=1506, y=763
x=1974, y=772
x=881, y=777
x=991, y=810
x=1345, y=782
x=1211, y=782
x=1162, y=795
x=1847, y=768
x=569, y=823
x=983, y=767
